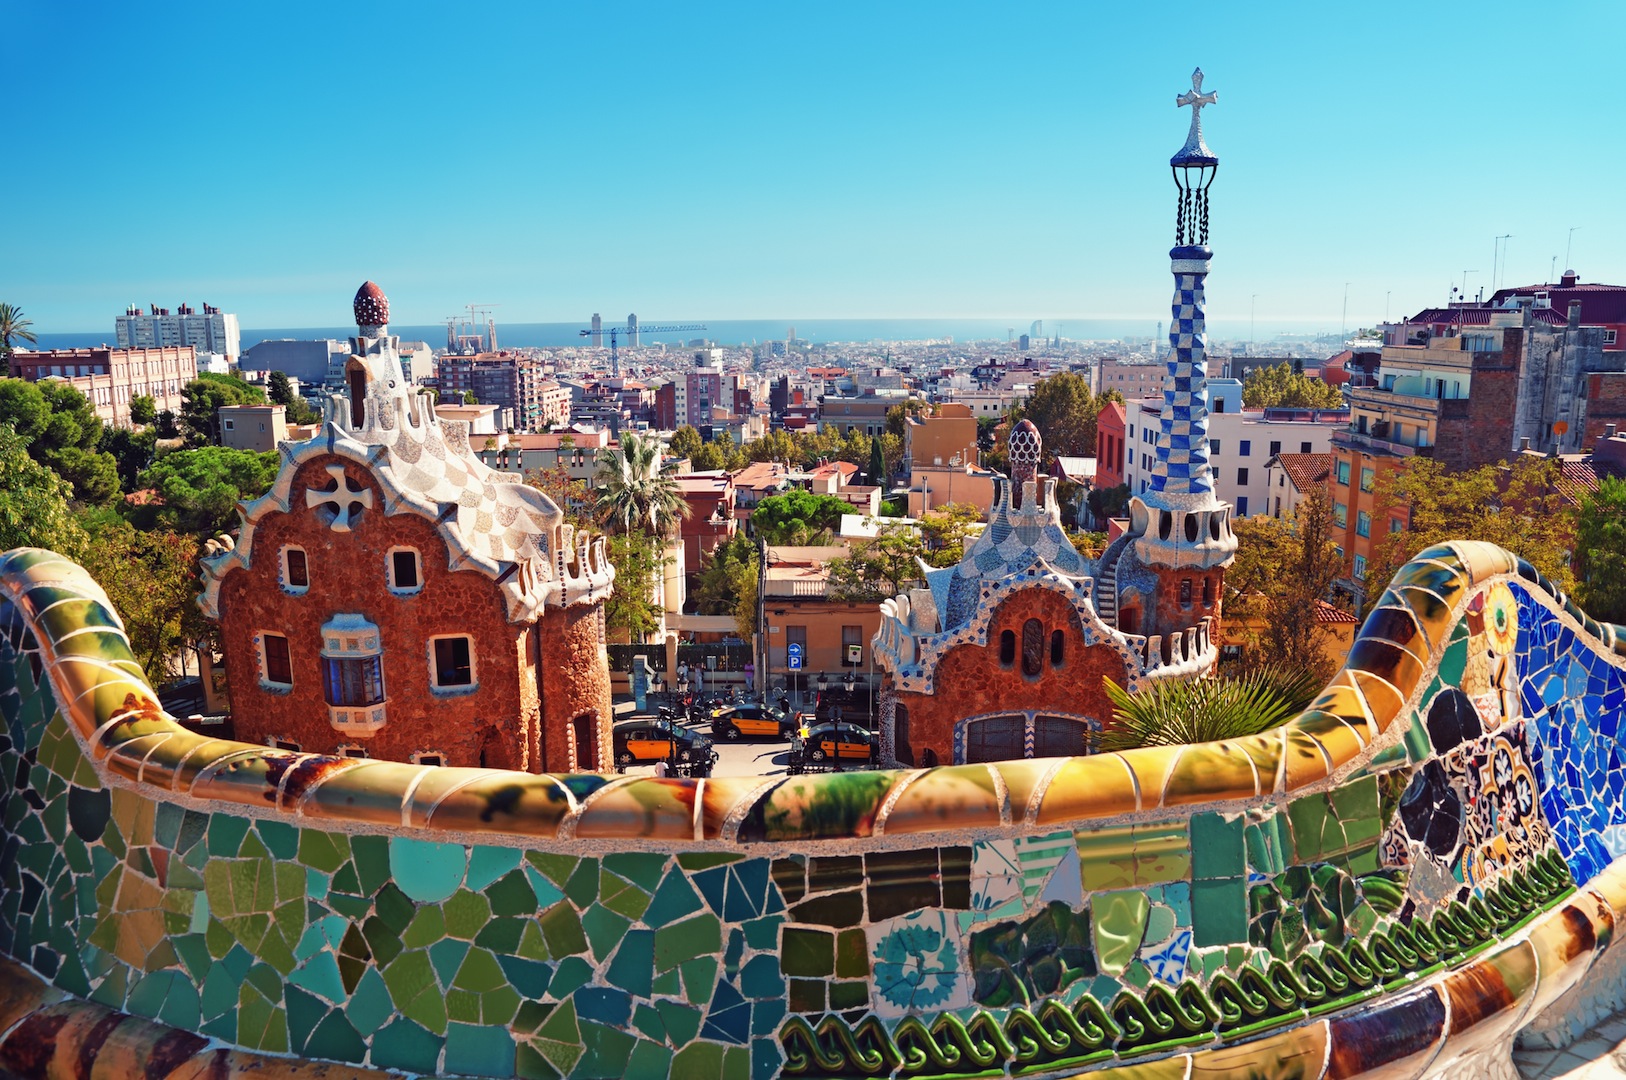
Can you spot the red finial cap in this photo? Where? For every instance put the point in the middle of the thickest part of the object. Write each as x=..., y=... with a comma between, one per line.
x=372, y=307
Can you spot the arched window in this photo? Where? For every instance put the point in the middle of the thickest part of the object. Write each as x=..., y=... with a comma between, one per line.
x=1208, y=592
x=901, y=750
x=1185, y=592
x=1007, y=647
x=1032, y=647
x=1058, y=647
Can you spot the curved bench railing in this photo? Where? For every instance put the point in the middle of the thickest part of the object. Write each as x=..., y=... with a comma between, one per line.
x=1296, y=889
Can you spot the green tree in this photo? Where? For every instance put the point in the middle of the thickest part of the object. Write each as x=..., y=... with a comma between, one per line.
x=1517, y=505
x=469, y=398
x=798, y=517
x=877, y=464
x=200, y=399
x=1268, y=387
x=152, y=578
x=727, y=584
x=946, y=531
x=890, y=563
x=13, y=328
x=168, y=424
x=279, y=388
x=1108, y=503
x=878, y=568
x=34, y=502
x=63, y=433
x=631, y=610
x=778, y=445
x=709, y=458
x=635, y=492
x=143, y=410
x=1064, y=410
x=1283, y=570
x=1600, y=551
x=132, y=451
x=200, y=488
x=281, y=391
x=686, y=442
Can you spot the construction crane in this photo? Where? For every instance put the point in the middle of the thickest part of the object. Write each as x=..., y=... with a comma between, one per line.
x=615, y=356
x=477, y=310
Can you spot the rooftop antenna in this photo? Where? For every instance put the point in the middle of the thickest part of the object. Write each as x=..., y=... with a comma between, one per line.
x=1343, y=331
x=1496, y=268
x=1569, y=245
x=1551, y=270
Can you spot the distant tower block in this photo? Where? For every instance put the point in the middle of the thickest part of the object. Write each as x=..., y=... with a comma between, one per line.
x=632, y=330
x=598, y=332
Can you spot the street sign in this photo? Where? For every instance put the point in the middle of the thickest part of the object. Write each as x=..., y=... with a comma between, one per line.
x=793, y=655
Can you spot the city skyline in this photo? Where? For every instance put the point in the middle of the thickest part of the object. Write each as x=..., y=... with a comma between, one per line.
x=738, y=164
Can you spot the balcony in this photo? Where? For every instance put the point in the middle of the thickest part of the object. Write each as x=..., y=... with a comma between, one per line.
x=1378, y=442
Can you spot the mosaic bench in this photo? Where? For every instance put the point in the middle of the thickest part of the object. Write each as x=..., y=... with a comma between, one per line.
x=1392, y=885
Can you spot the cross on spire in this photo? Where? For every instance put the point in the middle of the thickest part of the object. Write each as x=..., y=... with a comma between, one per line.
x=341, y=498
x=1196, y=99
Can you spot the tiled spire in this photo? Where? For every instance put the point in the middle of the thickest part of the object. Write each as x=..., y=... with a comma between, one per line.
x=1179, y=521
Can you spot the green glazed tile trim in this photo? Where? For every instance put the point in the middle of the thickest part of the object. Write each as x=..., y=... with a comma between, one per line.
x=1236, y=1002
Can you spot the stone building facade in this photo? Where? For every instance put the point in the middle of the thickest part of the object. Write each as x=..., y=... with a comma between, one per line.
x=392, y=597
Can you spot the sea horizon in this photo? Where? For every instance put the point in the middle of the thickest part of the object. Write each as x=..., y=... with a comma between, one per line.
x=745, y=332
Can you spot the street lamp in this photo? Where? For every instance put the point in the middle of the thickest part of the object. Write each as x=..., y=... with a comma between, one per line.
x=847, y=682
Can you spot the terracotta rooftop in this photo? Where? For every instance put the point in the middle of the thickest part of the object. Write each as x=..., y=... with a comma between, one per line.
x=1331, y=613
x=1306, y=470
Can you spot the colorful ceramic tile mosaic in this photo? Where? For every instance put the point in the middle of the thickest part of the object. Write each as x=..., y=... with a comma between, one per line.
x=1387, y=878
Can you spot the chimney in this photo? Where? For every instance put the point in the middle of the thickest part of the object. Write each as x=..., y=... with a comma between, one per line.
x=1609, y=431
x=1575, y=314
x=1524, y=444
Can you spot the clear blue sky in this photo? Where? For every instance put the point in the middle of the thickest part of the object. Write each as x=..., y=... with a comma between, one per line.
x=691, y=161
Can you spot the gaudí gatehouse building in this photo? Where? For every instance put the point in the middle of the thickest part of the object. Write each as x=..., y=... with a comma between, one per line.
x=1419, y=868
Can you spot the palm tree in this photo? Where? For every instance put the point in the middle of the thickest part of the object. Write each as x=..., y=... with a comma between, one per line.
x=635, y=493
x=13, y=328
x=1175, y=713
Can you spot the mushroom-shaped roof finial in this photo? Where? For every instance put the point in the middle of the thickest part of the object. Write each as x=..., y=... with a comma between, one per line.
x=1025, y=450
x=372, y=307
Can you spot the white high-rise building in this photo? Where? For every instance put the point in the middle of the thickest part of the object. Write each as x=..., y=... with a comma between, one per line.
x=208, y=331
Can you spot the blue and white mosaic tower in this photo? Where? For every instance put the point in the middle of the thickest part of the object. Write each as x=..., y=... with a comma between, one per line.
x=1179, y=523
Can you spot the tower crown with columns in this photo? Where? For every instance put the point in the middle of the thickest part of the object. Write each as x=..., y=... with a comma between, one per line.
x=1181, y=523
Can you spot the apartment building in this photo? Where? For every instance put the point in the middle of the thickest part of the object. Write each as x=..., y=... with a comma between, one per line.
x=1240, y=443
x=508, y=380
x=208, y=331
x=110, y=378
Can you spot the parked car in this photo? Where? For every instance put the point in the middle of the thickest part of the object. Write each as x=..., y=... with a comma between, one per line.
x=831, y=744
x=837, y=702
x=751, y=722
x=646, y=739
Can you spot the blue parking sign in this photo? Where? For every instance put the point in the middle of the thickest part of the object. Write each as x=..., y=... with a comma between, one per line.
x=793, y=655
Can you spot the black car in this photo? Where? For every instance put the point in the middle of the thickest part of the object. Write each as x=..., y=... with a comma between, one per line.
x=838, y=703
x=751, y=722
x=831, y=745
x=648, y=738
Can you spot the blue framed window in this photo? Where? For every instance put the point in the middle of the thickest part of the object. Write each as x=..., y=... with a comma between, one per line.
x=355, y=680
